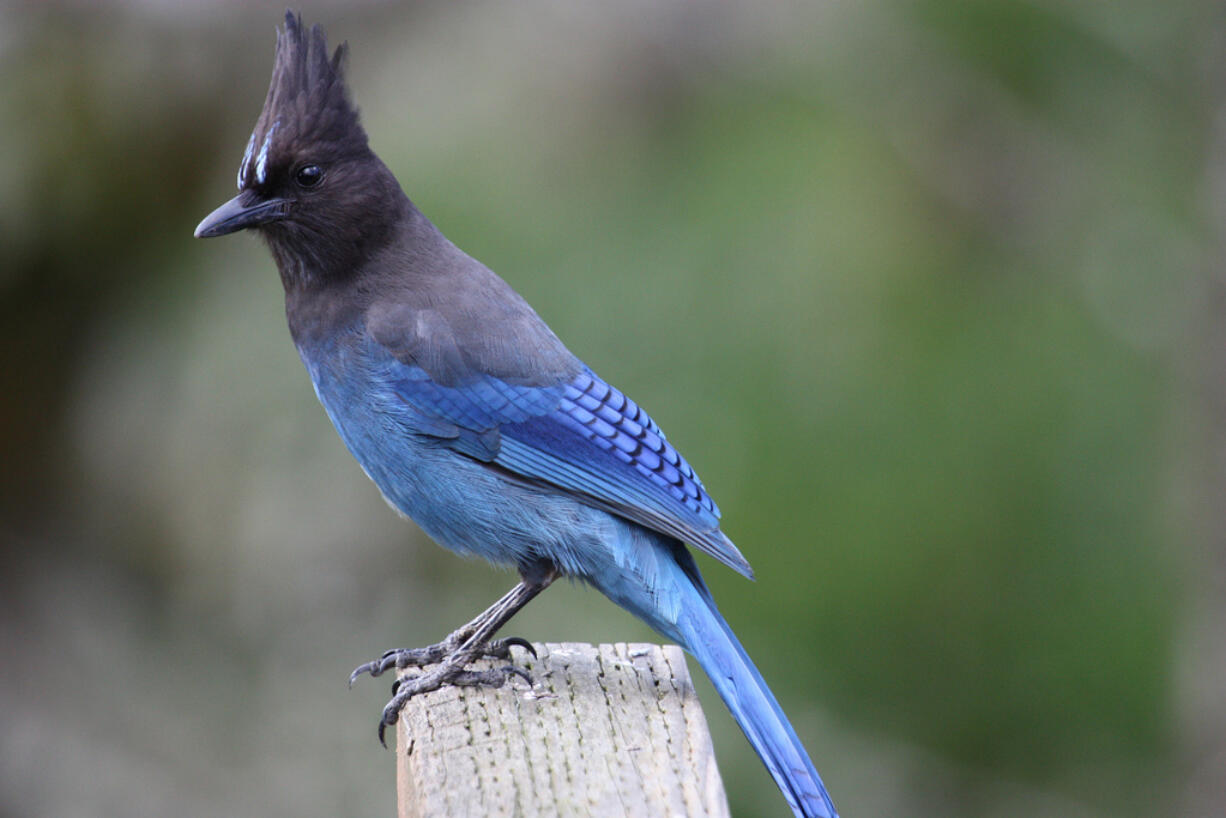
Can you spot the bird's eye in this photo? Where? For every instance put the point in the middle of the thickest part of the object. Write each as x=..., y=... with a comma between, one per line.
x=309, y=175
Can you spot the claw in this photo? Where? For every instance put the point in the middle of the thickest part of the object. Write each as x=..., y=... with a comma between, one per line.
x=513, y=641
x=519, y=671
x=358, y=671
x=382, y=740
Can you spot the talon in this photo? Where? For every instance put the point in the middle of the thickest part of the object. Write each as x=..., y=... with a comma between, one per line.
x=358, y=671
x=395, y=688
x=382, y=740
x=391, y=711
x=373, y=668
x=518, y=671
x=513, y=641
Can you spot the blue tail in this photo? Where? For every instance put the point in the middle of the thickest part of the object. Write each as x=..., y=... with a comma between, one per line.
x=677, y=603
x=713, y=644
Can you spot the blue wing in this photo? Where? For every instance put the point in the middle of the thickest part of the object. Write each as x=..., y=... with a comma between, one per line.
x=581, y=436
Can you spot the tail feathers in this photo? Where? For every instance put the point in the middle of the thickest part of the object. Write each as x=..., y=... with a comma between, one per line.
x=738, y=682
x=656, y=579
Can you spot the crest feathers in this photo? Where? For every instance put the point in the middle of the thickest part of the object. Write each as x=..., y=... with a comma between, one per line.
x=308, y=105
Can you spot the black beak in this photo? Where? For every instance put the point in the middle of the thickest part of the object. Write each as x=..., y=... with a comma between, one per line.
x=238, y=214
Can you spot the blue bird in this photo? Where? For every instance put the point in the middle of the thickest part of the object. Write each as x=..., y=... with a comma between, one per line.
x=471, y=416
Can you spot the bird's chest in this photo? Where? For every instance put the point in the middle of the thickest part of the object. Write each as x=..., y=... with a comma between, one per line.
x=457, y=501
x=364, y=409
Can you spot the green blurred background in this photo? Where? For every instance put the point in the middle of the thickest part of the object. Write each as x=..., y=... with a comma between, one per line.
x=931, y=294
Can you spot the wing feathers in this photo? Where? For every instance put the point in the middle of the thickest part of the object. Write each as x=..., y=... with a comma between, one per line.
x=583, y=437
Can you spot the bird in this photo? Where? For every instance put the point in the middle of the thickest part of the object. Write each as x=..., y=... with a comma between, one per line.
x=471, y=416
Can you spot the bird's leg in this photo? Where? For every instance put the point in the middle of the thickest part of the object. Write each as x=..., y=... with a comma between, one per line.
x=467, y=643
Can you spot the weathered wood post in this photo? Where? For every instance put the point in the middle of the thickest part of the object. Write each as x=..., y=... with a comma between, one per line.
x=613, y=730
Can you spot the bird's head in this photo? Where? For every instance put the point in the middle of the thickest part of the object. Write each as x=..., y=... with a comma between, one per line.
x=308, y=181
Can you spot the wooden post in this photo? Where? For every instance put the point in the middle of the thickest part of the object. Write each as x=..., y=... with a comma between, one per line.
x=614, y=730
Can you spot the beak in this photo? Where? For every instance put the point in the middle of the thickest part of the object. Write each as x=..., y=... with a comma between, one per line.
x=238, y=214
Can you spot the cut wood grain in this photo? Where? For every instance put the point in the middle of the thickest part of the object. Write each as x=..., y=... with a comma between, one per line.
x=609, y=730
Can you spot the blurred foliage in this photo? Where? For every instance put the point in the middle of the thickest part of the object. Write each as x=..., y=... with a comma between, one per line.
x=921, y=288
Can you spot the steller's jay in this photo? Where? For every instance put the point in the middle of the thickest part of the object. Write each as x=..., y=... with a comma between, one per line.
x=471, y=416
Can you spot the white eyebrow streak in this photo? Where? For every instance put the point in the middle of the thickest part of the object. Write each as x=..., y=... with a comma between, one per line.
x=261, y=161
x=242, y=168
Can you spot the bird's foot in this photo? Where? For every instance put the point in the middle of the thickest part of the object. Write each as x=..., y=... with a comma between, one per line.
x=451, y=657
x=450, y=672
x=401, y=658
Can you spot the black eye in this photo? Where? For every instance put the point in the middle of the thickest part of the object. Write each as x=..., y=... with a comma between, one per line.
x=309, y=175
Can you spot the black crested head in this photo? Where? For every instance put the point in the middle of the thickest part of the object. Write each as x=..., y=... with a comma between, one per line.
x=308, y=181
x=307, y=107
